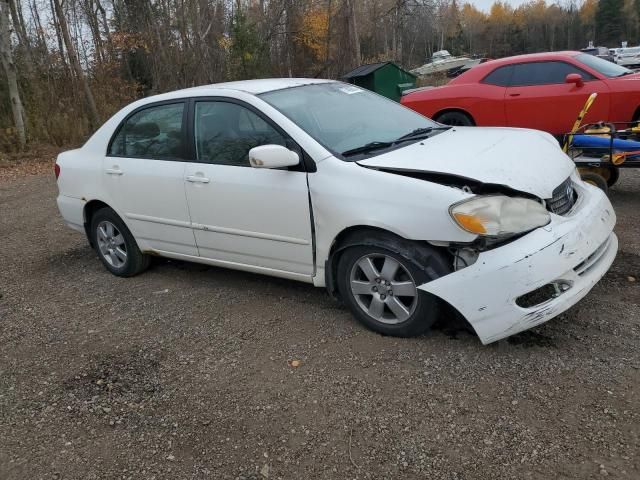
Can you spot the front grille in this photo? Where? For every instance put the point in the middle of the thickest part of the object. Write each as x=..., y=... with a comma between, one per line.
x=563, y=199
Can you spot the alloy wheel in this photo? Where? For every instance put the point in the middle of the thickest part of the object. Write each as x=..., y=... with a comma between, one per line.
x=383, y=288
x=111, y=244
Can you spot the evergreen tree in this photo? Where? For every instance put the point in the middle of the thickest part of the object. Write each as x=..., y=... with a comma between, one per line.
x=609, y=22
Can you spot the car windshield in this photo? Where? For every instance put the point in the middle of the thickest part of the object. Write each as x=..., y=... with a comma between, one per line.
x=606, y=68
x=344, y=118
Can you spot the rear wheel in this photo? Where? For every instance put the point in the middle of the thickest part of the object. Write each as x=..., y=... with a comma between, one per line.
x=456, y=119
x=380, y=287
x=115, y=245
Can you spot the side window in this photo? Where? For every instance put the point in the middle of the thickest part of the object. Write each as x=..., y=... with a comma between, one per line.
x=225, y=132
x=500, y=76
x=154, y=133
x=544, y=73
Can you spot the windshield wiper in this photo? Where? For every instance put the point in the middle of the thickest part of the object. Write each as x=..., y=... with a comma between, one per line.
x=628, y=72
x=367, y=148
x=420, y=132
x=413, y=135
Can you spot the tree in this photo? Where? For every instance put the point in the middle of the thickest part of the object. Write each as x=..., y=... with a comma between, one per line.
x=609, y=22
x=74, y=60
x=9, y=67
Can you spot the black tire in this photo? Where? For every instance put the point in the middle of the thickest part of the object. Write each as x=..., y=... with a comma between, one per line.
x=456, y=119
x=595, y=179
x=614, y=176
x=421, y=264
x=135, y=261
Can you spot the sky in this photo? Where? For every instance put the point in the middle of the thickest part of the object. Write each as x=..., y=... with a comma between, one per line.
x=485, y=5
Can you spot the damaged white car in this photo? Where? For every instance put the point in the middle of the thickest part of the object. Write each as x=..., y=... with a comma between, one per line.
x=326, y=183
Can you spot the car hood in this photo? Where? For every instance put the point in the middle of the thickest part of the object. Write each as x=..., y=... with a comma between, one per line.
x=526, y=160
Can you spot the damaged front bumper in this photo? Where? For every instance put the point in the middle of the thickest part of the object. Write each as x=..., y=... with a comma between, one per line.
x=548, y=270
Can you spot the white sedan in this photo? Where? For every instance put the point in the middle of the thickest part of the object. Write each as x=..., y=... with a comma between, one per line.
x=326, y=183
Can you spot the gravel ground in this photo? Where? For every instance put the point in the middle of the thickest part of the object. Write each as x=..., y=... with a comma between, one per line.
x=190, y=371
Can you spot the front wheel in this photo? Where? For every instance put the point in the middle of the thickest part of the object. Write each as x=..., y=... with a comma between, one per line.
x=380, y=288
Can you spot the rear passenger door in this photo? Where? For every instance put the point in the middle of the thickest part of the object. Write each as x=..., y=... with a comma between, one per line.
x=245, y=216
x=143, y=175
x=538, y=97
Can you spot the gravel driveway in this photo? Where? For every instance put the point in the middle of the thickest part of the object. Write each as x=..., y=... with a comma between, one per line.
x=190, y=371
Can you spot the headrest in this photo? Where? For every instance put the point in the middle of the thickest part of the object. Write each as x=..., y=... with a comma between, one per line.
x=145, y=129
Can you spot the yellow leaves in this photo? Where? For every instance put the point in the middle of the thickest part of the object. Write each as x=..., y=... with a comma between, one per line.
x=470, y=16
x=225, y=43
x=314, y=32
x=124, y=41
x=588, y=11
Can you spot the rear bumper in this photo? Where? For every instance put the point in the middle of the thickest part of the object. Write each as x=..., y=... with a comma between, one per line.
x=575, y=251
x=72, y=211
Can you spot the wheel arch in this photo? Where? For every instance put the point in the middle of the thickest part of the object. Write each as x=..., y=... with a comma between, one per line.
x=90, y=208
x=636, y=114
x=454, y=109
x=357, y=235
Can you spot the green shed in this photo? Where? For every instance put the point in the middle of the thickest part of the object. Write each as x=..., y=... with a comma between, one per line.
x=385, y=78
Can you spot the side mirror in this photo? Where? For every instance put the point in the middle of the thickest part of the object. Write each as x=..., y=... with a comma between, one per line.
x=272, y=156
x=575, y=78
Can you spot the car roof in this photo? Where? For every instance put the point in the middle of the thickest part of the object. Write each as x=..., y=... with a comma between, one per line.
x=253, y=87
x=478, y=72
x=532, y=57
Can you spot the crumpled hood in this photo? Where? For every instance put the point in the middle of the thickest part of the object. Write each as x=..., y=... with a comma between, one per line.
x=526, y=160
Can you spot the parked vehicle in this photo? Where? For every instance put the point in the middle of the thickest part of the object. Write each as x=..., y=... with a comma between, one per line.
x=441, y=61
x=628, y=57
x=600, y=52
x=542, y=91
x=330, y=184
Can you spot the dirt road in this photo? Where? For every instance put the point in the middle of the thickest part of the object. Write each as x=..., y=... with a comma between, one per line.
x=185, y=372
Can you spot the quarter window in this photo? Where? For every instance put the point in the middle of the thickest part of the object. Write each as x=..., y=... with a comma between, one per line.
x=225, y=132
x=500, y=76
x=154, y=133
x=544, y=73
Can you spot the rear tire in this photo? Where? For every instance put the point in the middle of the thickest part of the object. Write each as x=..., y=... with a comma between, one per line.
x=455, y=119
x=596, y=180
x=379, y=286
x=115, y=245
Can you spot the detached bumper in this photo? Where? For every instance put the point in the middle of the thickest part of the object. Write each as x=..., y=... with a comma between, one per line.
x=572, y=252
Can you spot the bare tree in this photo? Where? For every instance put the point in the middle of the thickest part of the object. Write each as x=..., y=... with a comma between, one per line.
x=9, y=66
x=94, y=118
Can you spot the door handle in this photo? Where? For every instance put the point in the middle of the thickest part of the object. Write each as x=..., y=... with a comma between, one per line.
x=197, y=179
x=113, y=171
x=514, y=94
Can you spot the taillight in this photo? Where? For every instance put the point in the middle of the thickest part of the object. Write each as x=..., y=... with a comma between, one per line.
x=56, y=169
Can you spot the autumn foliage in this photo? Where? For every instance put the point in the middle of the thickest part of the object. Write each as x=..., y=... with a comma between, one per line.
x=76, y=62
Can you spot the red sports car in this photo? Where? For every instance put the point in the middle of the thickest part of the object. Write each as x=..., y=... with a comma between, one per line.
x=545, y=91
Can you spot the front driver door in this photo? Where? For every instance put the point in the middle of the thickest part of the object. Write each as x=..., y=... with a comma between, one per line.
x=244, y=216
x=539, y=98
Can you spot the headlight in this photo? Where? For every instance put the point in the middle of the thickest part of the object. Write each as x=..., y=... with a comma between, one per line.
x=497, y=215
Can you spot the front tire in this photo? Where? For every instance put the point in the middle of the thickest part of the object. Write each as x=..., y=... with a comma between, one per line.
x=115, y=245
x=379, y=286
